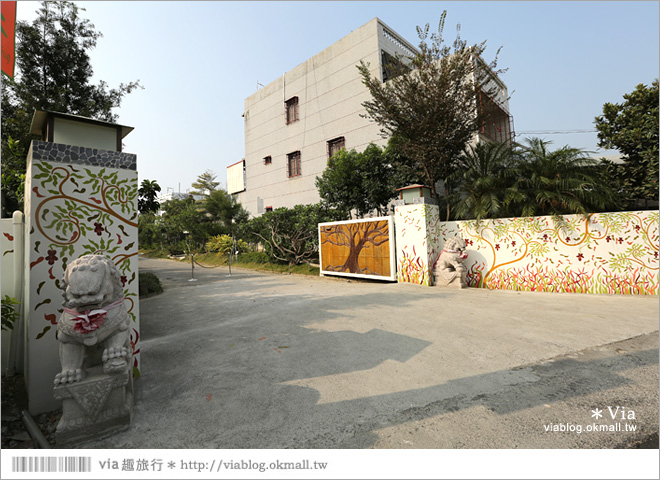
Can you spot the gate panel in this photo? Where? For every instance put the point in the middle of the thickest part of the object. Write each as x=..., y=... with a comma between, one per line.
x=358, y=248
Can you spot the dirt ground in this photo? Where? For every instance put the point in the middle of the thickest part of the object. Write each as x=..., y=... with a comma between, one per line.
x=14, y=401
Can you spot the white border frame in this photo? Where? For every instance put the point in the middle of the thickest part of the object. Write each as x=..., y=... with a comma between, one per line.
x=392, y=234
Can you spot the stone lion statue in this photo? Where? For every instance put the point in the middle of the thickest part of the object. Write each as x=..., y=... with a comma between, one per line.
x=94, y=318
x=449, y=269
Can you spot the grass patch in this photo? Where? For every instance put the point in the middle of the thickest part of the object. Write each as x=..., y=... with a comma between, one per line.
x=154, y=252
x=255, y=261
x=149, y=283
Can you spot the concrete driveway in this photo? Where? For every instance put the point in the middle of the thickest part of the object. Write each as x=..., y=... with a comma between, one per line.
x=257, y=360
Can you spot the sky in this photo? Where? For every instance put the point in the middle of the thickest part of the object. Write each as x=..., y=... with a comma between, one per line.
x=198, y=61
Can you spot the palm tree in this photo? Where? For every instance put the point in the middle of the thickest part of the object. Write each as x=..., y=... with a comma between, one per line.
x=560, y=182
x=484, y=173
x=147, y=194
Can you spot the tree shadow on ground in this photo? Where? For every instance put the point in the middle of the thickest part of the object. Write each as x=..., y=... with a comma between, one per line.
x=508, y=391
x=215, y=367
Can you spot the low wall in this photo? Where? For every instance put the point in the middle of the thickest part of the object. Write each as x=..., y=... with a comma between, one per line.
x=7, y=256
x=7, y=285
x=615, y=253
x=12, y=246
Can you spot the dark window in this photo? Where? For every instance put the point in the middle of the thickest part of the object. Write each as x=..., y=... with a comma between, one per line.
x=293, y=164
x=497, y=124
x=392, y=66
x=291, y=110
x=335, y=145
x=268, y=160
x=269, y=209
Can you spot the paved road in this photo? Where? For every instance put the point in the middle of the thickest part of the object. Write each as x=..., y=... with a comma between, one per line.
x=259, y=360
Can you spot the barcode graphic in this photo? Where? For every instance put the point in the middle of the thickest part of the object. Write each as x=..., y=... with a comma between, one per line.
x=51, y=464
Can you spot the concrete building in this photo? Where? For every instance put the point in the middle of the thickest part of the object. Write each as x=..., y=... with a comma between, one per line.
x=294, y=124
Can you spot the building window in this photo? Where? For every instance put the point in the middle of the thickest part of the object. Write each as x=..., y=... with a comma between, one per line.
x=293, y=164
x=291, y=110
x=335, y=145
x=269, y=209
x=497, y=124
x=392, y=66
x=268, y=160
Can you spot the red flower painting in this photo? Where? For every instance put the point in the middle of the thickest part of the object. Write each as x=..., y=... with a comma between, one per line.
x=52, y=257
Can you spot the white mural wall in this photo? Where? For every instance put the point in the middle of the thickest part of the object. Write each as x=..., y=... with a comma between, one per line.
x=615, y=253
x=81, y=201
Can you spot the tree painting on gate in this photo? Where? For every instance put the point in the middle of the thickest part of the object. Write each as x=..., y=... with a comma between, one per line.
x=356, y=247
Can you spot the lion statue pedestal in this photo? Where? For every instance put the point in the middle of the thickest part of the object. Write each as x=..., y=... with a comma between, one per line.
x=96, y=381
x=449, y=270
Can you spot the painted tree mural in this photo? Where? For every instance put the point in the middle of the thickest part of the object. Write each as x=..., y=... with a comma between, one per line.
x=352, y=241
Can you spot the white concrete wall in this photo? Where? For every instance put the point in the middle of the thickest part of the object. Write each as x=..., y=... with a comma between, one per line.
x=236, y=177
x=83, y=134
x=12, y=247
x=7, y=247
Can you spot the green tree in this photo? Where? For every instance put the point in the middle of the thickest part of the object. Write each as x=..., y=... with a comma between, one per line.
x=186, y=215
x=226, y=210
x=484, y=173
x=631, y=127
x=360, y=182
x=341, y=183
x=147, y=194
x=291, y=234
x=150, y=231
x=364, y=182
x=53, y=72
x=430, y=104
x=557, y=182
x=205, y=183
x=13, y=177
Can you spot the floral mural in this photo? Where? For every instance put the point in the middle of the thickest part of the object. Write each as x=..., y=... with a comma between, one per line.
x=76, y=209
x=613, y=253
x=417, y=242
x=601, y=253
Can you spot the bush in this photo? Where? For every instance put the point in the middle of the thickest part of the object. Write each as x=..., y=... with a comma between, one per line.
x=222, y=244
x=9, y=313
x=290, y=235
x=149, y=283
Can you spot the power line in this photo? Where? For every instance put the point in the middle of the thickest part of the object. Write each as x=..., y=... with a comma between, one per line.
x=554, y=132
